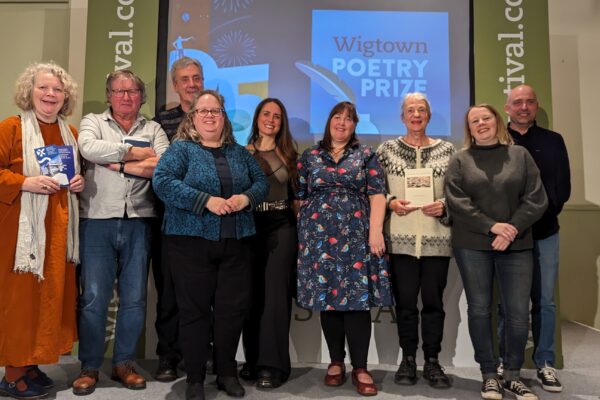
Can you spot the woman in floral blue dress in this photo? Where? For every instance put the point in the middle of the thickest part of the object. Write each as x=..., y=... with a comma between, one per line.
x=342, y=271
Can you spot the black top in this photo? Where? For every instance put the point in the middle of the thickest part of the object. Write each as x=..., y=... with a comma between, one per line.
x=170, y=120
x=226, y=179
x=277, y=174
x=550, y=155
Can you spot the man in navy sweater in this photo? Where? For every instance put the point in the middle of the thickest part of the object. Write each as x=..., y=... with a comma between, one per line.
x=188, y=80
x=550, y=155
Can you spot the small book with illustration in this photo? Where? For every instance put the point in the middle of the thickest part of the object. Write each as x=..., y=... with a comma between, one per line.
x=57, y=162
x=418, y=186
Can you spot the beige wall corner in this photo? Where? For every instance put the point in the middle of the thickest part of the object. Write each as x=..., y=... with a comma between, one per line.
x=30, y=32
x=77, y=47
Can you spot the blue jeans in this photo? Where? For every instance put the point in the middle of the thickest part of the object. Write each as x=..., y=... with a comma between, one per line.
x=112, y=248
x=543, y=309
x=514, y=270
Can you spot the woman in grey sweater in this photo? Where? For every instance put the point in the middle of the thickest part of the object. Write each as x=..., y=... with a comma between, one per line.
x=494, y=194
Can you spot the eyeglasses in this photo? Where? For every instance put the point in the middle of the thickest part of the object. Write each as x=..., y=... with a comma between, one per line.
x=215, y=112
x=130, y=92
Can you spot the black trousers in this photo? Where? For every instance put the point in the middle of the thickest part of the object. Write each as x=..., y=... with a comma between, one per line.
x=266, y=331
x=167, y=313
x=429, y=276
x=212, y=281
x=353, y=325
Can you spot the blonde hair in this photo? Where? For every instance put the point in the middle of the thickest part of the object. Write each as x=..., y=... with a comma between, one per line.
x=24, y=86
x=501, y=132
x=187, y=130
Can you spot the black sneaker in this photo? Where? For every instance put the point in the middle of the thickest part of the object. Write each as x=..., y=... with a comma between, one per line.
x=491, y=389
x=407, y=372
x=548, y=378
x=434, y=373
x=518, y=389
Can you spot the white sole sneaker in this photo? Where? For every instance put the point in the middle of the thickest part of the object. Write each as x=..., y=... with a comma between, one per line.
x=553, y=389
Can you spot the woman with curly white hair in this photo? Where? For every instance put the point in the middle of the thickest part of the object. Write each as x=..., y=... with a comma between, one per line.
x=38, y=239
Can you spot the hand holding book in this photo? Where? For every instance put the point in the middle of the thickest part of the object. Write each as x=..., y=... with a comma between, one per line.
x=40, y=184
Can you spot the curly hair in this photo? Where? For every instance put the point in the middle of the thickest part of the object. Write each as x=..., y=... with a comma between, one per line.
x=24, y=86
x=187, y=130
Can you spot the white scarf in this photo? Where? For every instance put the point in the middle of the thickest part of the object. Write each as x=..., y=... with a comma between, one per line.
x=31, y=240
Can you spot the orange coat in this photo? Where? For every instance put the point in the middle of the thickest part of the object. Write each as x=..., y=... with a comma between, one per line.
x=37, y=318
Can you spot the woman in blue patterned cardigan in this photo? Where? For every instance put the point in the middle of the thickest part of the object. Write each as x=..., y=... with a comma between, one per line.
x=209, y=185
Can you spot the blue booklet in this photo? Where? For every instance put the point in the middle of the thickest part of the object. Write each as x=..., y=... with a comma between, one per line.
x=57, y=162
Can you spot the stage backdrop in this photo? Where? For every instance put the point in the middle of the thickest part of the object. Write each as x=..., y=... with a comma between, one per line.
x=314, y=53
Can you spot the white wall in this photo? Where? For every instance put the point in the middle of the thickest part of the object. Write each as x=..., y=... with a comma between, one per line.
x=575, y=57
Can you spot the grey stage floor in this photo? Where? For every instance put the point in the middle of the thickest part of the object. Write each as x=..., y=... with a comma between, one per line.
x=581, y=379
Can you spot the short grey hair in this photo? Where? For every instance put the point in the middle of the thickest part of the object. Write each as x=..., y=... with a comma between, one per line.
x=184, y=62
x=416, y=96
x=125, y=74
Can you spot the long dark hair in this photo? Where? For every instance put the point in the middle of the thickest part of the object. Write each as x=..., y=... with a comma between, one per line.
x=287, y=148
x=338, y=109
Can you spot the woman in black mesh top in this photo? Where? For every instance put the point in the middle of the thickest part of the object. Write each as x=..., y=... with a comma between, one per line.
x=266, y=332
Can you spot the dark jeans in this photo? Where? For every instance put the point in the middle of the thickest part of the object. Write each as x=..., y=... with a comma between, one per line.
x=266, y=331
x=212, y=280
x=411, y=275
x=514, y=270
x=352, y=325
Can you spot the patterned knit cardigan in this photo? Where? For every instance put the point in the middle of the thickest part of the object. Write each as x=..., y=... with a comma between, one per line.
x=415, y=234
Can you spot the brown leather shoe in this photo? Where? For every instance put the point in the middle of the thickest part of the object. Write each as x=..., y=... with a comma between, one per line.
x=126, y=374
x=85, y=383
x=336, y=379
x=364, y=389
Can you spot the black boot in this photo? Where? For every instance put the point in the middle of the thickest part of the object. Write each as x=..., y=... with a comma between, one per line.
x=231, y=385
x=194, y=391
